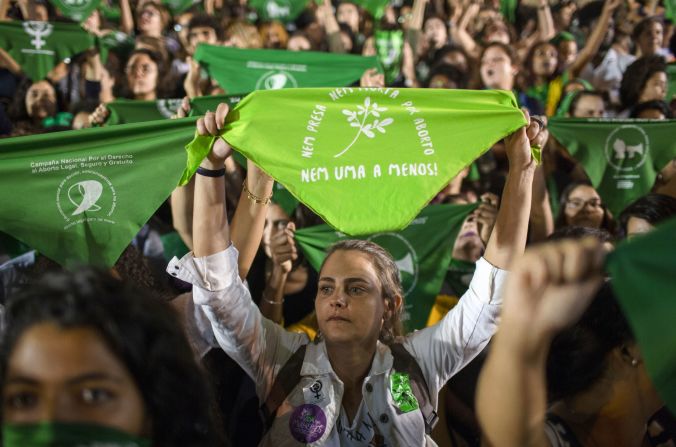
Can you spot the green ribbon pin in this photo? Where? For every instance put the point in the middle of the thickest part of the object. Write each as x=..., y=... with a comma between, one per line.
x=402, y=394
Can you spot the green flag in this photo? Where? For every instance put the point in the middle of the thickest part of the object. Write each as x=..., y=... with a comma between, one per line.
x=375, y=7
x=642, y=274
x=283, y=10
x=177, y=7
x=117, y=42
x=81, y=196
x=76, y=10
x=671, y=88
x=39, y=46
x=508, y=9
x=390, y=47
x=367, y=160
x=670, y=10
x=243, y=71
x=125, y=111
x=422, y=252
x=621, y=157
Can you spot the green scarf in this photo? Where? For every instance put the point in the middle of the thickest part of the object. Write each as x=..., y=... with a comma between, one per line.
x=243, y=71
x=283, y=10
x=76, y=10
x=422, y=251
x=375, y=7
x=61, y=434
x=39, y=46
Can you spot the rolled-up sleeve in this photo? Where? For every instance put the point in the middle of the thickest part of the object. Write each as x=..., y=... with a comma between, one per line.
x=445, y=348
x=258, y=345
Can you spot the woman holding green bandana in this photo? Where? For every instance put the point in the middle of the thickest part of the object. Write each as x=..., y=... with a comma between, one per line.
x=90, y=361
x=362, y=381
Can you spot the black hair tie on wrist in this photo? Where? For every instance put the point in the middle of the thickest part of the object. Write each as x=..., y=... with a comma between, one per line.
x=211, y=172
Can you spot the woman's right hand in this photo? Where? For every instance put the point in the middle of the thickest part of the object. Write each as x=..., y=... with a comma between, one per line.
x=283, y=249
x=99, y=116
x=212, y=124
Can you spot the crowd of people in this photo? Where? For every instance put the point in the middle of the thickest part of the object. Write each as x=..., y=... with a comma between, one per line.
x=214, y=329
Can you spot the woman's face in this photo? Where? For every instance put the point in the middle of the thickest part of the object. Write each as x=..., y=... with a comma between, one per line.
x=70, y=375
x=568, y=52
x=41, y=100
x=497, y=31
x=348, y=13
x=584, y=208
x=275, y=221
x=468, y=245
x=589, y=106
x=141, y=74
x=650, y=40
x=655, y=88
x=497, y=70
x=298, y=43
x=350, y=306
x=435, y=32
x=273, y=38
x=545, y=60
x=150, y=21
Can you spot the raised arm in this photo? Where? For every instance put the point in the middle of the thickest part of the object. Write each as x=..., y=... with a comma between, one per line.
x=327, y=19
x=545, y=21
x=595, y=39
x=548, y=289
x=126, y=17
x=414, y=31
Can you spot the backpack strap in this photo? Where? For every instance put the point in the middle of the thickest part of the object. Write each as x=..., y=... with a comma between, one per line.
x=406, y=363
x=286, y=380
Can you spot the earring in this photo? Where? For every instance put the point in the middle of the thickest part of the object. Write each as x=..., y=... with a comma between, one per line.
x=634, y=362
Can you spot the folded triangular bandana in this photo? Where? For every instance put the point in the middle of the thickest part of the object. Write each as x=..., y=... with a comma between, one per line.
x=621, y=157
x=243, y=71
x=81, y=196
x=422, y=252
x=39, y=46
x=367, y=160
x=76, y=10
x=125, y=111
x=642, y=274
x=375, y=7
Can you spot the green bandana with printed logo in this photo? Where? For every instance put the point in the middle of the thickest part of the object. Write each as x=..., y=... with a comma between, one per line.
x=367, y=160
x=621, y=157
x=389, y=47
x=243, y=71
x=422, y=251
x=79, y=197
x=283, y=10
x=642, y=276
x=125, y=111
x=116, y=42
x=76, y=10
x=39, y=46
x=63, y=434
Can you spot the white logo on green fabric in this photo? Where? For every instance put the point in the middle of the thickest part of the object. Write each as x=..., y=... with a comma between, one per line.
x=275, y=80
x=365, y=111
x=78, y=5
x=39, y=30
x=168, y=107
x=404, y=256
x=627, y=148
x=276, y=9
x=87, y=196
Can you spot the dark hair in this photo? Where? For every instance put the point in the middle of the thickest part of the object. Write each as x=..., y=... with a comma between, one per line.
x=608, y=223
x=660, y=106
x=590, y=12
x=578, y=356
x=577, y=232
x=390, y=281
x=142, y=331
x=453, y=73
x=162, y=72
x=508, y=50
x=206, y=21
x=17, y=109
x=653, y=208
x=637, y=75
x=644, y=25
x=528, y=63
x=581, y=94
x=447, y=49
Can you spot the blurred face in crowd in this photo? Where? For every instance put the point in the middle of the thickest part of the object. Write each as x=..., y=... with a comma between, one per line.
x=565, y=15
x=584, y=208
x=455, y=58
x=41, y=100
x=435, y=32
x=496, y=31
x=298, y=43
x=496, y=69
x=545, y=59
x=441, y=81
x=350, y=306
x=347, y=42
x=468, y=245
x=274, y=38
x=201, y=34
x=655, y=89
x=348, y=13
x=567, y=52
x=650, y=40
x=369, y=48
x=275, y=221
x=70, y=375
x=181, y=28
x=142, y=75
x=150, y=21
x=589, y=106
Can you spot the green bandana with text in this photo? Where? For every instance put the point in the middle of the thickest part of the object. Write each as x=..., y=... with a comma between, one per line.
x=39, y=46
x=243, y=71
x=366, y=160
x=76, y=10
x=621, y=157
x=283, y=10
x=642, y=274
x=79, y=197
x=125, y=111
x=422, y=251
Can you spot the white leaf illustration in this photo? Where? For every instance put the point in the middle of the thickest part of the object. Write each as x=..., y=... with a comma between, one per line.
x=367, y=101
x=367, y=131
x=374, y=113
x=354, y=124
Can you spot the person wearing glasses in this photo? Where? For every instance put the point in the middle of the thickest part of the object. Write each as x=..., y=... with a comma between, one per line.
x=582, y=206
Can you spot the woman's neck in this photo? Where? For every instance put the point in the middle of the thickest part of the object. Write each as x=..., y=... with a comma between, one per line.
x=351, y=362
x=149, y=96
